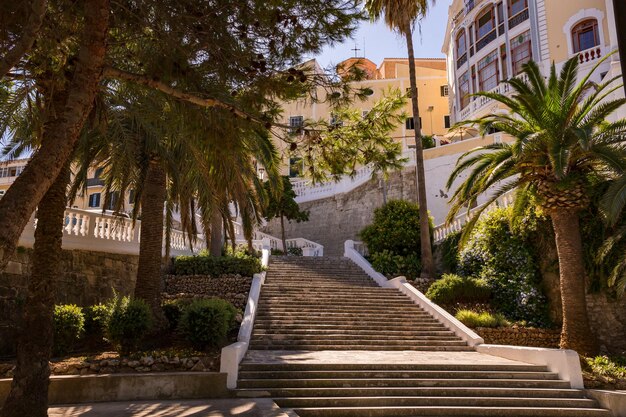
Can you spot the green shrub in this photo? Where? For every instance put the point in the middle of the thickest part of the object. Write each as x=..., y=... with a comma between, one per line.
x=449, y=248
x=69, y=324
x=396, y=228
x=295, y=251
x=508, y=263
x=475, y=319
x=130, y=321
x=96, y=318
x=215, y=266
x=389, y=264
x=454, y=289
x=608, y=367
x=173, y=310
x=207, y=322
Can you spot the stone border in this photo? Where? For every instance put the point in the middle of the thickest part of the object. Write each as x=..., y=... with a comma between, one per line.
x=565, y=362
x=234, y=353
x=75, y=389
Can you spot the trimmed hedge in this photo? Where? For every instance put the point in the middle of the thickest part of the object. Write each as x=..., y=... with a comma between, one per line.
x=130, y=321
x=206, y=323
x=216, y=266
x=69, y=324
x=453, y=289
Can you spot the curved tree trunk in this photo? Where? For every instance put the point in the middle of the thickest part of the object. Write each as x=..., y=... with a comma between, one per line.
x=576, y=333
x=60, y=135
x=216, y=233
x=33, y=23
x=428, y=264
x=29, y=390
x=148, y=285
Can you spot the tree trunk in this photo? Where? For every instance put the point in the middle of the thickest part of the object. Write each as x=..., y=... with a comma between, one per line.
x=282, y=234
x=60, y=135
x=384, y=191
x=576, y=333
x=33, y=23
x=216, y=233
x=29, y=390
x=428, y=264
x=148, y=285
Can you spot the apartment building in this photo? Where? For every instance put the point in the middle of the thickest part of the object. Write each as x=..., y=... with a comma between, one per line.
x=488, y=41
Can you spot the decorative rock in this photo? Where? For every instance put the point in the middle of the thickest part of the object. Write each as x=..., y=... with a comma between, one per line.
x=147, y=361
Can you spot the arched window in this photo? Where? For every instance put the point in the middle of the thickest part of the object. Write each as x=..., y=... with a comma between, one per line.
x=585, y=35
x=461, y=43
x=485, y=23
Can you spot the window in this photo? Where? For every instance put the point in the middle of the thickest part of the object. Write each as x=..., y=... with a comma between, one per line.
x=488, y=76
x=296, y=167
x=444, y=90
x=446, y=122
x=295, y=123
x=517, y=6
x=113, y=199
x=464, y=89
x=131, y=197
x=585, y=35
x=521, y=52
x=500, y=9
x=410, y=123
x=94, y=200
x=485, y=23
x=503, y=55
x=461, y=44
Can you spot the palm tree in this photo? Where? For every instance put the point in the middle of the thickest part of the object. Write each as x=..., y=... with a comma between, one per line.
x=401, y=15
x=562, y=140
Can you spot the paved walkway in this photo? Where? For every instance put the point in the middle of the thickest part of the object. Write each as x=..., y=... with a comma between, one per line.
x=263, y=407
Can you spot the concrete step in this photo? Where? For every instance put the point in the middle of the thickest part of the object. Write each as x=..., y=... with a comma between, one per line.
x=348, y=332
x=356, y=341
x=412, y=391
x=313, y=315
x=401, y=382
x=273, y=326
x=254, y=366
x=399, y=374
x=383, y=347
x=346, y=321
x=419, y=401
x=370, y=305
x=275, y=337
x=449, y=411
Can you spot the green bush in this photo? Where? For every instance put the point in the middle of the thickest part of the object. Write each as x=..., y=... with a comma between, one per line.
x=215, y=266
x=207, y=322
x=69, y=324
x=295, y=251
x=454, y=289
x=613, y=368
x=130, y=321
x=96, y=318
x=389, y=264
x=173, y=310
x=396, y=229
x=449, y=248
x=508, y=263
x=475, y=319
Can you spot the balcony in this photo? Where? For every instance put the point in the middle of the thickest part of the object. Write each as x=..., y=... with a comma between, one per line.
x=518, y=18
x=486, y=40
x=95, y=182
x=462, y=60
x=589, y=55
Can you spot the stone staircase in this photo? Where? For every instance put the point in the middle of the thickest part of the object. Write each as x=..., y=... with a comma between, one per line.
x=329, y=342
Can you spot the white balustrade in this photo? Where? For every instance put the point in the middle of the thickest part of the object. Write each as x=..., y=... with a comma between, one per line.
x=443, y=230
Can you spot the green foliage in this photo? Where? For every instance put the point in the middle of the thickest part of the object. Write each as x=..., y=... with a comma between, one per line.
x=295, y=251
x=173, y=310
x=396, y=228
x=130, y=321
x=476, y=319
x=507, y=263
x=613, y=368
x=449, y=248
x=452, y=288
x=207, y=322
x=282, y=203
x=96, y=318
x=428, y=141
x=215, y=266
x=389, y=264
x=69, y=324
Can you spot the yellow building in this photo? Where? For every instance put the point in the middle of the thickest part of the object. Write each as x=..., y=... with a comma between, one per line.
x=488, y=41
x=391, y=73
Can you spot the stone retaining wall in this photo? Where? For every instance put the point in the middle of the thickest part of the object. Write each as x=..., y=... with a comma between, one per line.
x=520, y=336
x=233, y=288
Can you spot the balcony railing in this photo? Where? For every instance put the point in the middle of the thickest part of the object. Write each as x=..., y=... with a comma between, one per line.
x=462, y=60
x=486, y=40
x=93, y=182
x=518, y=18
x=590, y=54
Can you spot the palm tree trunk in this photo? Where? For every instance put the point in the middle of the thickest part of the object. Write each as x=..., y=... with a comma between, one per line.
x=29, y=390
x=216, y=233
x=428, y=264
x=576, y=333
x=148, y=285
x=60, y=134
x=282, y=234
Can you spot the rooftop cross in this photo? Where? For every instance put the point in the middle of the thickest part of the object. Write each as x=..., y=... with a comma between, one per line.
x=356, y=50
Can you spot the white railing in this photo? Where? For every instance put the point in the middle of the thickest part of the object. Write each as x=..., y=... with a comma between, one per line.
x=308, y=247
x=102, y=232
x=443, y=230
x=260, y=239
x=307, y=191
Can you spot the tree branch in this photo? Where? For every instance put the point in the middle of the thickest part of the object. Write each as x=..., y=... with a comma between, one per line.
x=35, y=18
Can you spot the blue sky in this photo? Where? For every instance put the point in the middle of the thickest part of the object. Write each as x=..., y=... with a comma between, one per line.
x=381, y=43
